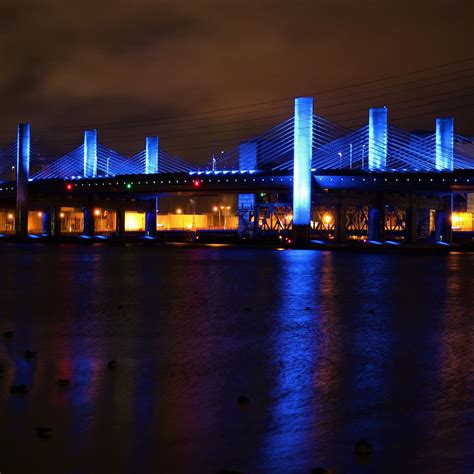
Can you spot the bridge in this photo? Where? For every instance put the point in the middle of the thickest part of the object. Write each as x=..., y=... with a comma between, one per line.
x=306, y=177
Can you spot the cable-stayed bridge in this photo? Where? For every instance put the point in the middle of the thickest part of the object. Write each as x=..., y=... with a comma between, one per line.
x=316, y=163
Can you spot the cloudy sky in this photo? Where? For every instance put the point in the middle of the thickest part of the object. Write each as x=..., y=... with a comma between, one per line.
x=183, y=69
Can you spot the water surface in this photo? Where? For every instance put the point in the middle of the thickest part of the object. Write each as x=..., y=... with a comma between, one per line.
x=329, y=347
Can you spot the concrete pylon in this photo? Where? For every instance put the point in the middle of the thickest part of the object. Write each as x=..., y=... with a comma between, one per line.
x=302, y=160
x=445, y=144
x=22, y=176
x=90, y=153
x=151, y=155
x=378, y=138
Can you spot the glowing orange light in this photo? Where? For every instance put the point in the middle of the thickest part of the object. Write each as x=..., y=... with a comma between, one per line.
x=215, y=208
x=10, y=216
x=61, y=215
x=179, y=211
x=327, y=219
x=40, y=214
x=97, y=212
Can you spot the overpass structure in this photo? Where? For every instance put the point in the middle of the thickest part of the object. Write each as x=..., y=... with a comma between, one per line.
x=318, y=179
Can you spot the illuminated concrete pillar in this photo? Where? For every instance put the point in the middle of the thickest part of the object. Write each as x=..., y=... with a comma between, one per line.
x=22, y=175
x=90, y=153
x=378, y=139
x=247, y=162
x=151, y=155
x=150, y=222
x=302, y=159
x=445, y=144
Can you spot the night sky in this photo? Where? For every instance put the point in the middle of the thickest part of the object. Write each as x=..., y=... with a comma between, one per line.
x=131, y=68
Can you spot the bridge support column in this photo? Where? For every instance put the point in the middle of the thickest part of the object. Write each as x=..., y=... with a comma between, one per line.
x=375, y=224
x=120, y=222
x=22, y=175
x=151, y=218
x=302, y=161
x=341, y=222
x=378, y=139
x=90, y=153
x=55, y=214
x=443, y=229
x=46, y=223
x=89, y=221
x=246, y=203
x=444, y=144
x=411, y=224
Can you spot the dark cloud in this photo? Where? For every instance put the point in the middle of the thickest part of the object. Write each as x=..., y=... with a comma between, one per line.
x=82, y=62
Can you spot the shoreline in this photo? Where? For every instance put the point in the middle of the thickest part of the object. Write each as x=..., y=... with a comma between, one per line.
x=388, y=247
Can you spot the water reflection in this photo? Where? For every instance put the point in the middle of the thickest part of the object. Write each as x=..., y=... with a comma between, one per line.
x=384, y=352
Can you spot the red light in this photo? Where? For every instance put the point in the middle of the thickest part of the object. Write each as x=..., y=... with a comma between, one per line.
x=69, y=186
x=196, y=183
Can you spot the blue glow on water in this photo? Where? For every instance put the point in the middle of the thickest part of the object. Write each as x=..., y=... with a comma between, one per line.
x=303, y=155
x=378, y=138
x=392, y=242
x=375, y=242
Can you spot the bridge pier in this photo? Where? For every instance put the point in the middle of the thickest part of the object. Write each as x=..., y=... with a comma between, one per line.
x=120, y=222
x=22, y=175
x=443, y=226
x=46, y=223
x=246, y=203
x=376, y=222
x=89, y=219
x=341, y=222
x=150, y=218
x=302, y=175
x=55, y=214
x=411, y=224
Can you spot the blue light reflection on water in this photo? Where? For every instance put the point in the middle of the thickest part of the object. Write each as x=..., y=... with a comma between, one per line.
x=384, y=352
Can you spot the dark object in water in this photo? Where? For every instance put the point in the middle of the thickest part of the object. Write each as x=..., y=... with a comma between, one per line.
x=8, y=334
x=307, y=308
x=363, y=448
x=22, y=388
x=29, y=354
x=319, y=470
x=44, y=432
x=112, y=364
x=63, y=382
x=243, y=400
